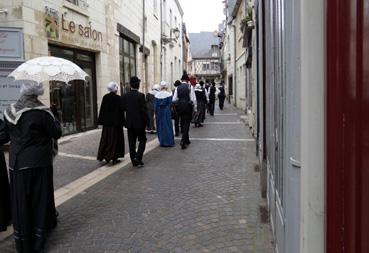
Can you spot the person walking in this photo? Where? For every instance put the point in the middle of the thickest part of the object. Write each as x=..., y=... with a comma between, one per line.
x=163, y=102
x=5, y=211
x=201, y=104
x=111, y=117
x=185, y=99
x=174, y=111
x=221, y=96
x=33, y=130
x=134, y=106
x=212, y=96
x=150, y=105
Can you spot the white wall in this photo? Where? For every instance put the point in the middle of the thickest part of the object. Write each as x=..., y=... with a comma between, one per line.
x=174, y=52
x=312, y=126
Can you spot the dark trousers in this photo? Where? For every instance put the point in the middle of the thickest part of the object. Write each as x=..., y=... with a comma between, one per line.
x=176, y=124
x=185, y=119
x=221, y=102
x=211, y=106
x=135, y=134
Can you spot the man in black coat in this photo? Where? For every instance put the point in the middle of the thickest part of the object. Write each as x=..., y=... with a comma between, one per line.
x=221, y=96
x=134, y=106
x=185, y=99
x=212, y=92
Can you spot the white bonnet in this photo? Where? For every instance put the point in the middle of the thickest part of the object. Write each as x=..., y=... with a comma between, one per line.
x=156, y=87
x=112, y=86
x=163, y=85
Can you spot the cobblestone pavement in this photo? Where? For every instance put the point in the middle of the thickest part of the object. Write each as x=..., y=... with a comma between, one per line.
x=202, y=199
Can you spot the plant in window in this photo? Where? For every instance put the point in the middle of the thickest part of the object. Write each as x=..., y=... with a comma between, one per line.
x=245, y=22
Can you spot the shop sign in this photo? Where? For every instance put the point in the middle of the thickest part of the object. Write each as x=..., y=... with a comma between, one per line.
x=84, y=31
x=9, y=93
x=52, y=27
x=11, y=44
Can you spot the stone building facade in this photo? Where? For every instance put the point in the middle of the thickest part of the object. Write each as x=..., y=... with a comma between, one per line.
x=109, y=39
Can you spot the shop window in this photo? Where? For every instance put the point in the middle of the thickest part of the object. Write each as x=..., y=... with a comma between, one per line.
x=127, y=62
x=73, y=1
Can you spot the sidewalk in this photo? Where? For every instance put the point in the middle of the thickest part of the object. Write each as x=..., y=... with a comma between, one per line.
x=202, y=199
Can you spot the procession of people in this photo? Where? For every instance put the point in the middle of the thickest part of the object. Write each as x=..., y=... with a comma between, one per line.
x=32, y=129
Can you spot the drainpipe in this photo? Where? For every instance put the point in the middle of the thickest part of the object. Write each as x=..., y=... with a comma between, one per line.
x=234, y=65
x=160, y=43
x=247, y=71
x=143, y=67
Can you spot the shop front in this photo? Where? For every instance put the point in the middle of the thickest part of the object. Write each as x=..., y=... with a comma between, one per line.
x=75, y=103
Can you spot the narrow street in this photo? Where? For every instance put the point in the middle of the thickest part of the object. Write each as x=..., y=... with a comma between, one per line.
x=202, y=199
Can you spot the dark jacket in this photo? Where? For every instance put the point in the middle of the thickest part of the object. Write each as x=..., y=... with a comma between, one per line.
x=212, y=91
x=31, y=140
x=134, y=106
x=184, y=103
x=221, y=92
x=111, y=111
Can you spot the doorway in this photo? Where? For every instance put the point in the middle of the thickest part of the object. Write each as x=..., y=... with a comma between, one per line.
x=75, y=102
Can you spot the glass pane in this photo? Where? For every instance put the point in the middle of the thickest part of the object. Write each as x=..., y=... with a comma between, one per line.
x=68, y=108
x=126, y=70
x=126, y=46
x=120, y=45
x=89, y=108
x=84, y=57
x=133, y=67
x=132, y=49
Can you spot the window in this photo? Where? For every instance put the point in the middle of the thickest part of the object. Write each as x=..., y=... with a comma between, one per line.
x=73, y=1
x=127, y=62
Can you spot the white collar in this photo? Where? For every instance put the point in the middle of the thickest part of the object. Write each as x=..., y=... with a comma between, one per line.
x=163, y=94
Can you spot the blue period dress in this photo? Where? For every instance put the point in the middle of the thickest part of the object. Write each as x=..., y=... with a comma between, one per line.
x=164, y=125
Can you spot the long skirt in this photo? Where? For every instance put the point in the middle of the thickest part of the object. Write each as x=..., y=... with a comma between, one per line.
x=33, y=207
x=111, y=144
x=164, y=126
x=151, y=120
x=4, y=194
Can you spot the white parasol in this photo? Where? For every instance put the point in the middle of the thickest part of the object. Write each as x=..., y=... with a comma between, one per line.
x=48, y=68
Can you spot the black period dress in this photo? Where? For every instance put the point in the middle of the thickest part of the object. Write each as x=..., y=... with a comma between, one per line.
x=111, y=117
x=32, y=129
x=4, y=183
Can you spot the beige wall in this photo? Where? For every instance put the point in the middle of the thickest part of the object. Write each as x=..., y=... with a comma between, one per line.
x=30, y=15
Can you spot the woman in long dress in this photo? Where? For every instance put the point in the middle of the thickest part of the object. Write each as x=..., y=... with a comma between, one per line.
x=111, y=117
x=164, y=125
x=32, y=129
x=4, y=183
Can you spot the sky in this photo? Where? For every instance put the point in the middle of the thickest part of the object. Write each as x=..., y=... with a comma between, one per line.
x=202, y=15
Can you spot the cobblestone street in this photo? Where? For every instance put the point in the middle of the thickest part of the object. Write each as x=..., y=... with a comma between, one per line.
x=202, y=199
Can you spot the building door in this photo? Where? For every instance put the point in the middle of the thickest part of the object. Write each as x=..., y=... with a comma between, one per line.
x=75, y=102
x=230, y=88
x=292, y=134
x=347, y=129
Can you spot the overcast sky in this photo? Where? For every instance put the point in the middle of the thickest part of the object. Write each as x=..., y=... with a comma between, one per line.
x=202, y=15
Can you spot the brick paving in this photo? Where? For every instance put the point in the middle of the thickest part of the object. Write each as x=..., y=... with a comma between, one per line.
x=202, y=199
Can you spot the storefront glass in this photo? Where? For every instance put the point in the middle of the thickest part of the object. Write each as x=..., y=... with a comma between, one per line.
x=75, y=103
x=127, y=60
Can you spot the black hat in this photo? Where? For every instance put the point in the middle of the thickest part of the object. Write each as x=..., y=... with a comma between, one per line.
x=185, y=77
x=134, y=80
